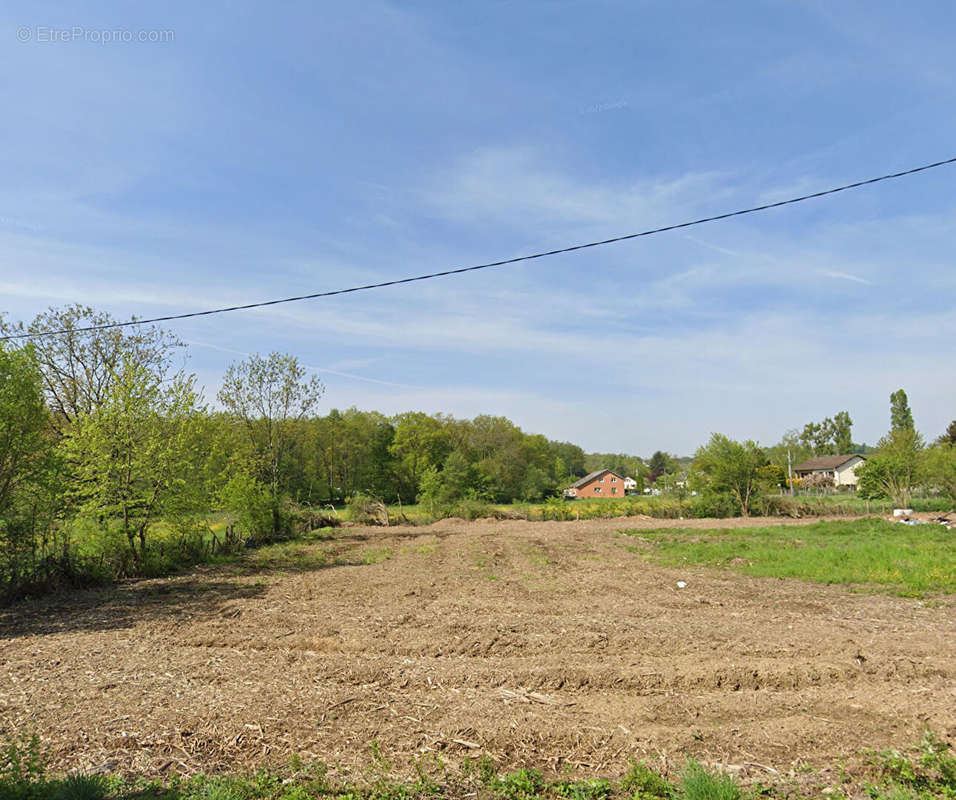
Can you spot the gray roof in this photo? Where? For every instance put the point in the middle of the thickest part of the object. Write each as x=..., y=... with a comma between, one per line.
x=588, y=478
x=825, y=462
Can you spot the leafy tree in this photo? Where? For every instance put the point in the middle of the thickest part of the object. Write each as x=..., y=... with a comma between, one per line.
x=572, y=456
x=535, y=485
x=249, y=501
x=560, y=471
x=657, y=464
x=895, y=469
x=78, y=367
x=135, y=457
x=621, y=463
x=27, y=471
x=724, y=466
x=949, y=435
x=830, y=436
x=771, y=477
x=788, y=451
x=843, y=432
x=939, y=466
x=457, y=478
x=901, y=418
x=430, y=488
x=870, y=479
x=818, y=437
x=23, y=422
x=421, y=442
x=268, y=396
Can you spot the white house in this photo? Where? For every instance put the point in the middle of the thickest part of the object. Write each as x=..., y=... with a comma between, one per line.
x=841, y=468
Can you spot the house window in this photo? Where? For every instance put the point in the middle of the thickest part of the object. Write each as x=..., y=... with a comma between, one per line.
x=613, y=480
x=614, y=490
x=597, y=488
x=600, y=480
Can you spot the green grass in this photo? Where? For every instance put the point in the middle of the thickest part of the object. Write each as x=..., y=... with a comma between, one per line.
x=908, y=560
x=376, y=555
x=925, y=771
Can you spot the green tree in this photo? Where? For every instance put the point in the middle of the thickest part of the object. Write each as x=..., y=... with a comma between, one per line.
x=789, y=451
x=79, y=366
x=269, y=396
x=27, y=471
x=724, y=466
x=23, y=423
x=901, y=418
x=135, y=455
x=430, y=488
x=939, y=468
x=949, y=435
x=457, y=478
x=559, y=471
x=572, y=456
x=895, y=469
x=661, y=463
x=818, y=437
x=421, y=442
x=843, y=433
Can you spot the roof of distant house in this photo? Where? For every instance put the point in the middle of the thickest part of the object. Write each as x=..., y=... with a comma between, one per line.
x=826, y=462
x=588, y=478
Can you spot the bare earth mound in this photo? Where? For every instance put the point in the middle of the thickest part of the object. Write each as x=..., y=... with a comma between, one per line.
x=537, y=644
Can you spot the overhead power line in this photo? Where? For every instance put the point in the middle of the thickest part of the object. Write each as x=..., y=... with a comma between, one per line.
x=490, y=264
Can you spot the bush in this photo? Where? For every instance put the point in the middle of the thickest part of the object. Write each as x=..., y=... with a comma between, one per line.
x=557, y=508
x=699, y=784
x=642, y=782
x=713, y=504
x=367, y=510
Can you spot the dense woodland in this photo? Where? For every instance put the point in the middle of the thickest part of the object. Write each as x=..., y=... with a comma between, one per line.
x=112, y=464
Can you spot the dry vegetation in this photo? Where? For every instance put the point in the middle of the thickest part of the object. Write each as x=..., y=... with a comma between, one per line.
x=547, y=644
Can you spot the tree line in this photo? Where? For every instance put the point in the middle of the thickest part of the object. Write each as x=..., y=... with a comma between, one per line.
x=900, y=464
x=113, y=464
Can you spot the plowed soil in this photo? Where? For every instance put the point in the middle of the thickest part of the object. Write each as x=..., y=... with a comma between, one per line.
x=543, y=644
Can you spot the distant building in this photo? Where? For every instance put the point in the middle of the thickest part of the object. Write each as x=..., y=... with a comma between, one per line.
x=841, y=468
x=602, y=483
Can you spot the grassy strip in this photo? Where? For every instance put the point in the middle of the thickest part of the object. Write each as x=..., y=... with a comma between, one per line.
x=909, y=560
x=926, y=771
x=666, y=506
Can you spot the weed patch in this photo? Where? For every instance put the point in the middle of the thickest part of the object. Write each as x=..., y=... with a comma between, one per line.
x=924, y=772
x=908, y=560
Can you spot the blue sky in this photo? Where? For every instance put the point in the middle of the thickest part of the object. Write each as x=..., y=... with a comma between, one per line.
x=273, y=149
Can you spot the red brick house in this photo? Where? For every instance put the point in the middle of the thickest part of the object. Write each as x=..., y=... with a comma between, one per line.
x=602, y=483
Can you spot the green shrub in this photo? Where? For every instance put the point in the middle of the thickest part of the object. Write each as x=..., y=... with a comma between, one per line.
x=713, y=505
x=643, y=783
x=698, y=784
x=557, y=508
x=590, y=789
x=523, y=784
x=80, y=787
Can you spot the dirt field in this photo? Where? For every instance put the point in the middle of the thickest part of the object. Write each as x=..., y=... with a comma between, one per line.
x=544, y=644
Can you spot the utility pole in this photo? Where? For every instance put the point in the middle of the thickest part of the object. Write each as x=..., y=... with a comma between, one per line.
x=789, y=473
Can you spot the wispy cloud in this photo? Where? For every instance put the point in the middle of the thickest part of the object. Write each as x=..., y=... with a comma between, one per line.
x=518, y=186
x=314, y=368
x=598, y=108
x=845, y=276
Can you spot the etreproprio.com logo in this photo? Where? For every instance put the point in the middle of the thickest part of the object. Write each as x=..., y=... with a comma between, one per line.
x=47, y=34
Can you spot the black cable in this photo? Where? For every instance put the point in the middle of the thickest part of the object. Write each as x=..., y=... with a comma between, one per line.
x=502, y=263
